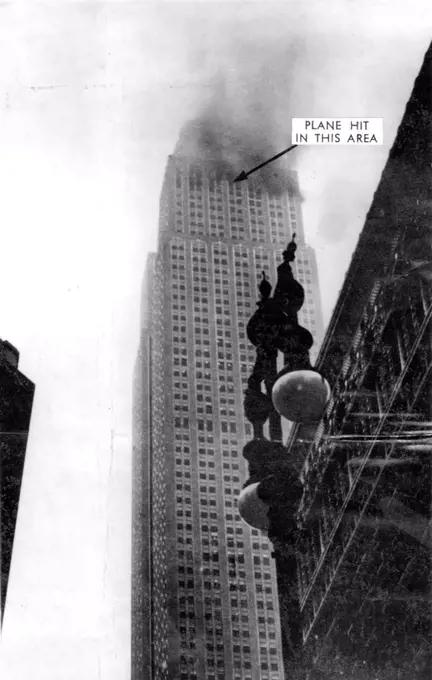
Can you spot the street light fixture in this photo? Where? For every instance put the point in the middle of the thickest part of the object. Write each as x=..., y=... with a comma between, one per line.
x=270, y=497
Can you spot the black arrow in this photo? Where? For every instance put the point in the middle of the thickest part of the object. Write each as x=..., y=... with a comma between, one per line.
x=244, y=175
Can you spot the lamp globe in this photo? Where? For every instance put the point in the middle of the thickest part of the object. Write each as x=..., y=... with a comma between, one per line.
x=252, y=509
x=301, y=396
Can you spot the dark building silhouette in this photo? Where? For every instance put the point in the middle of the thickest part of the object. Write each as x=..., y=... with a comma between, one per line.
x=365, y=558
x=16, y=401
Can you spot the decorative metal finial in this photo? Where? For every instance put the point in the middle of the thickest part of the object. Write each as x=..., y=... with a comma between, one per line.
x=289, y=253
x=265, y=287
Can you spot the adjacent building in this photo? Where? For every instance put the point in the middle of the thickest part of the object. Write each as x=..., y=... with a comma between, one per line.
x=204, y=595
x=16, y=401
x=365, y=559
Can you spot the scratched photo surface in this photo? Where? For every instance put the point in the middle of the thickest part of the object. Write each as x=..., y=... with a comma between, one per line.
x=194, y=486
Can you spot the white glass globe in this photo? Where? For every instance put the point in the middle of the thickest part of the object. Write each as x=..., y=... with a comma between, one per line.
x=301, y=396
x=252, y=509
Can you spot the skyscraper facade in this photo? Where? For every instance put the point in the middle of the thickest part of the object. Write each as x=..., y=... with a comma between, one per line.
x=141, y=658
x=16, y=403
x=207, y=581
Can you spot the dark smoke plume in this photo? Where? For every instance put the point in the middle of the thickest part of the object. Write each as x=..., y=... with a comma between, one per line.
x=247, y=119
x=225, y=149
x=258, y=72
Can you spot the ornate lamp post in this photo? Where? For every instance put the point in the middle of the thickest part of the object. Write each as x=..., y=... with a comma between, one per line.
x=270, y=497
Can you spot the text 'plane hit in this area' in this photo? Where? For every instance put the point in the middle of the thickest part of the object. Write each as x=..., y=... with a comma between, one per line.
x=342, y=131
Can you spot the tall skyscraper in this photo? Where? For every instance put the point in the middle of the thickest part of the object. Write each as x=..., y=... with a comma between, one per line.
x=205, y=602
x=16, y=402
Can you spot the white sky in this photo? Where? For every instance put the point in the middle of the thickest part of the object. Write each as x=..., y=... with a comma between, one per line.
x=92, y=97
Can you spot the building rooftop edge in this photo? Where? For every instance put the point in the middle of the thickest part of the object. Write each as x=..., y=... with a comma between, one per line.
x=9, y=360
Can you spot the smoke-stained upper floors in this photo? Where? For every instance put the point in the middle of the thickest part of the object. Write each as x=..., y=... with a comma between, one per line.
x=198, y=202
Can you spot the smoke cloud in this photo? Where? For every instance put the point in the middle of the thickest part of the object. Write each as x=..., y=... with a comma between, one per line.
x=245, y=119
x=225, y=147
x=260, y=74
